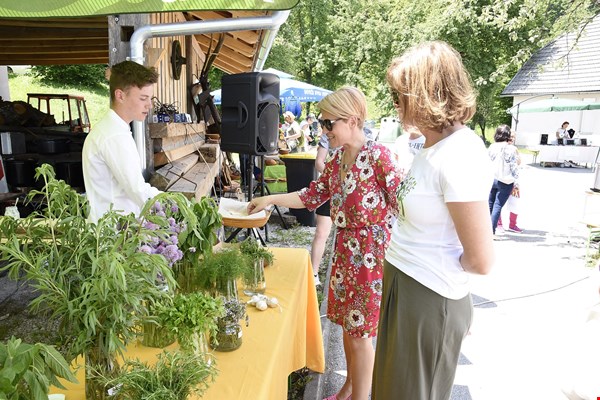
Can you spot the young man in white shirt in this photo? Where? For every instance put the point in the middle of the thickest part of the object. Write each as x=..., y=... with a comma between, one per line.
x=111, y=163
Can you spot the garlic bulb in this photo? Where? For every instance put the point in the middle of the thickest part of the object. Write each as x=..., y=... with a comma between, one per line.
x=261, y=305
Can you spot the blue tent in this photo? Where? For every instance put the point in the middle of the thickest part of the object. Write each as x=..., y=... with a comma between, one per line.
x=291, y=92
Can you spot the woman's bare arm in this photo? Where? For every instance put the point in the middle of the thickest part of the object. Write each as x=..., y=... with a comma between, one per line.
x=474, y=228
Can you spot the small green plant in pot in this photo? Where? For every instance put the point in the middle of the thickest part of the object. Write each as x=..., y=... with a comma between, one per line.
x=175, y=376
x=254, y=279
x=195, y=223
x=252, y=248
x=228, y=336
x=219, y=272
x=28, y=370
x=189, y=318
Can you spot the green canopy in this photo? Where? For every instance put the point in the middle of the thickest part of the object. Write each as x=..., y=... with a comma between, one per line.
x=82, y=8
x=556, y=104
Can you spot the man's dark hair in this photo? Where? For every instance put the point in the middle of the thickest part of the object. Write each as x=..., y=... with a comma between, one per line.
x=127, y=74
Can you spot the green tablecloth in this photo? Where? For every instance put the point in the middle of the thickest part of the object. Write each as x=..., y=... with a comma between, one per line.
x=275, y=172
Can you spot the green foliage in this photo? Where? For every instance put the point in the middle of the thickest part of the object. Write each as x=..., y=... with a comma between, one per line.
x=190, y=315
x=331, y=44
x=223, y=266
x=84, y=75
x=92, y=276
x=28, y=370
x=199, y=218
x=252, y=248
x=175, y=376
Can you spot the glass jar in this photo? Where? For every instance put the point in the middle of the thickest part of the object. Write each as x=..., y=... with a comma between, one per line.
x=255, y=282
x=156, y=336
x=228, y=336
x=186, y=276
x=226, y=288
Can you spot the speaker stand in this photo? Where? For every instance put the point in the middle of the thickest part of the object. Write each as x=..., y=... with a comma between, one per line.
x=263, y=188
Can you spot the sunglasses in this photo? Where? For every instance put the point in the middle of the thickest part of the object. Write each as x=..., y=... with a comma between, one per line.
x=328, y=123
x=395, y=97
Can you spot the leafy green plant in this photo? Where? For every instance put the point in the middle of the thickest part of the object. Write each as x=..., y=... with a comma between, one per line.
x=228, y=336
x=28, y=370
x=91, y=275
x=85, y=75
x=221, y=267
x=189, y=317
x=255, y=251
x=199, y=220
x=175, y=376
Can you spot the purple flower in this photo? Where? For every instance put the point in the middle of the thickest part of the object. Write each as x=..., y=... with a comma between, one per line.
x=146, y=249
x=192, y=249
x=174, y=209
x=172, y=253
x=157, y=207
x=174, y=239
x=150, y=225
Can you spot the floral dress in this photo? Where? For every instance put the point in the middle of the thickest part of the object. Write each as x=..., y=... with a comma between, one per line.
x=362, y=208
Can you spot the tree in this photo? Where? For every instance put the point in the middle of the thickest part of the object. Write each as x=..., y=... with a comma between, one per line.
x=84, y=75
x=332, y=43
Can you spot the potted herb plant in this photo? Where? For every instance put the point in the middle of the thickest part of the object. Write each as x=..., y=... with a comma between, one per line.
x=220, y=270
x=228, y=336
x=175, y=376
x=92, y=276
x=255, y=250
x=28, y=370
x=195, y=224
x=254, y=279
x=189, y=318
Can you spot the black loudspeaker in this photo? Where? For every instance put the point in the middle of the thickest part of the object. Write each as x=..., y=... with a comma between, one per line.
x=544, y=139
x=250, y=113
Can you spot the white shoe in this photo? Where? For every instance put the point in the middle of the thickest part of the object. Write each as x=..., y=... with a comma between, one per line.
x=317, y=280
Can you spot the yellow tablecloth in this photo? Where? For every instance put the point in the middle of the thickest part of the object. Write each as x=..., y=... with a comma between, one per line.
x=275, y=344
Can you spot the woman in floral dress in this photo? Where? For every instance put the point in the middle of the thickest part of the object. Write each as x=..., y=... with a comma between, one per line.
x=362, y=182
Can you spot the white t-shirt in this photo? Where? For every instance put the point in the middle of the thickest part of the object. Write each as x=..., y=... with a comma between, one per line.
x=405, y=150
x=111, y=169
x=424, y=243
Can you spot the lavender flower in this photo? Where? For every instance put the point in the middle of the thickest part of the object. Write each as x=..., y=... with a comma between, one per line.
x=146, y=249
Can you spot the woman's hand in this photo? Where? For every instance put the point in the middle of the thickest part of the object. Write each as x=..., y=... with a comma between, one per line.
x=258, y=204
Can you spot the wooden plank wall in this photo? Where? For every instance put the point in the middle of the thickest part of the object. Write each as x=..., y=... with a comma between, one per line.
x=168, y=90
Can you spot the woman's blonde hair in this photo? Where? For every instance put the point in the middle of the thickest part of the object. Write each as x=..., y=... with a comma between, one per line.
x=344, y=103
x=432, y=86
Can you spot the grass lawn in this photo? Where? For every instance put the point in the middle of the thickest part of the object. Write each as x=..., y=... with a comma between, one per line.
x=97, y=101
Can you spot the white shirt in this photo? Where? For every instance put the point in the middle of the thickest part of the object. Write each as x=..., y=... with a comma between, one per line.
x=111, y=169
x=424, y=243
x=406, y=148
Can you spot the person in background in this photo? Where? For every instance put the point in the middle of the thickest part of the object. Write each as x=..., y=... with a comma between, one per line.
x=362, y=182
x=407, y=146
x=506, y=159
x=562, y=133
x=306, y=126
x=442, y=233
x=515, y=197
x=293, y=133
x=111, y=164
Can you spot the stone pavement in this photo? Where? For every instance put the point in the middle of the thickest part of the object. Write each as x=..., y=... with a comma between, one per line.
x=528, y=311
